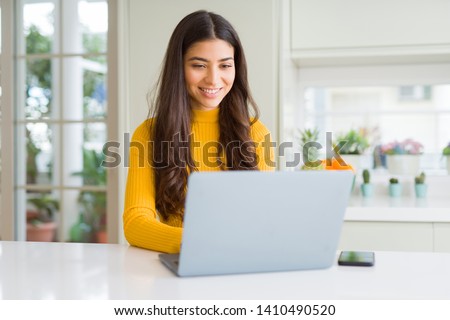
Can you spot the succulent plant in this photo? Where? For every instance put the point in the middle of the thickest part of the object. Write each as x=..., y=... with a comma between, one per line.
x=446, y=150
x=420, y=179
x=309, y=135
x=393, y=180
x=353, y=142
x=308, y=144
x=366, y=176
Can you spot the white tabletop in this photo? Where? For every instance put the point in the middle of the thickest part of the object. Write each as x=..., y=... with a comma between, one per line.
x=31, y=270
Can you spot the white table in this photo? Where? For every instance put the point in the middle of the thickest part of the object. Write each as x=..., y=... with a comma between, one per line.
x=107, y=271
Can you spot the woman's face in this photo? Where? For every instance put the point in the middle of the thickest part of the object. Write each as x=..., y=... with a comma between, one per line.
x=209, y=72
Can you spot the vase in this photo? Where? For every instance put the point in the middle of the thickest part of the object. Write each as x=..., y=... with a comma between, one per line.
x=102, y=236
x=395, y=190
x=41, y=232
x=367, y=190
x=421, y=190
x=403, y=164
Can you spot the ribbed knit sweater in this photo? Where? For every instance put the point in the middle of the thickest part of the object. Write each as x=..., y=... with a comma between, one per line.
x=143, y=227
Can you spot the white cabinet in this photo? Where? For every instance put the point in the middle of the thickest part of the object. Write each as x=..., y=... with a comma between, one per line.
x=387, y=236
x=442, y=237
x=326, y=32
x=396, y=229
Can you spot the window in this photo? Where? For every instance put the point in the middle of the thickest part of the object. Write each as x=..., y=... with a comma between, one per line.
x=385, y=113
x=61, y=118
x=390, y=102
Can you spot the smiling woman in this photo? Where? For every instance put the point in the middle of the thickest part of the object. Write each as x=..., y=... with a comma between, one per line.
x=200, y=122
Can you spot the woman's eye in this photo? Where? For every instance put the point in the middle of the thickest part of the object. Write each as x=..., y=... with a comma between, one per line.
x=199, y=66
x=226, y=66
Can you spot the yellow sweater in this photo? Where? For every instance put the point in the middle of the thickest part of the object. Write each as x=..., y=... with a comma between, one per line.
x=142, y=225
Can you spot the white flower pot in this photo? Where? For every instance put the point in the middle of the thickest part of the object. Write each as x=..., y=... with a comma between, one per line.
x=403, y=164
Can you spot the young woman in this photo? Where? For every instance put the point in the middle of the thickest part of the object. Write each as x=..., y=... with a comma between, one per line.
x=200, y=122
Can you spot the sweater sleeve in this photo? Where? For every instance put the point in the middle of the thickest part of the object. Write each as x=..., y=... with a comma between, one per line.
x=142, y=227
x=264, y=148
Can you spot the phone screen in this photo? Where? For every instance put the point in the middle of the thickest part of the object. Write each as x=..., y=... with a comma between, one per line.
x=356, y=258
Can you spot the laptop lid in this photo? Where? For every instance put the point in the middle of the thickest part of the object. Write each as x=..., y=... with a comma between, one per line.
x=247, y=221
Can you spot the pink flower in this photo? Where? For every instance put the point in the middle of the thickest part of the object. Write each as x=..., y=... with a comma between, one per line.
x=408, y=146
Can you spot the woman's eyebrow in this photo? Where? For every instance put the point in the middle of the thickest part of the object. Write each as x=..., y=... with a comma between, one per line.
x=206, y=60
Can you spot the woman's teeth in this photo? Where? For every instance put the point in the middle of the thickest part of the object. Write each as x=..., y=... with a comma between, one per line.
x=210, y=91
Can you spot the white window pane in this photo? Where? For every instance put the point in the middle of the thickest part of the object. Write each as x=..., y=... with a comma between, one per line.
x=85, y=89
x=38, y=28
x=37, y=97
x=441, y=96
x=81, y=162
x=39, y=154
x=419, y=127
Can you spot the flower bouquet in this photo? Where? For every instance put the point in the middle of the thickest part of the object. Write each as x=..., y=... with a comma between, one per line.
x=403, y=158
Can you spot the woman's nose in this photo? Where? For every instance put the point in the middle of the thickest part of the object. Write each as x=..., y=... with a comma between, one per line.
x=212, y=76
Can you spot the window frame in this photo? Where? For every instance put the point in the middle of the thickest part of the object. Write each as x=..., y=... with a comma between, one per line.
x=7, y=220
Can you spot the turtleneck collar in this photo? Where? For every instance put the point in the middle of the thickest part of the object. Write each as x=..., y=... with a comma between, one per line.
x=205, y=116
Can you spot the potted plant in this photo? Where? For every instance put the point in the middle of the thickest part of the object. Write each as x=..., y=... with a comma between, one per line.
x=420, y=187
x=40, y=221
x=366, y=186
x=395, y=188
x=92, y=203
x=446, y=154
x=403, y=158
x=352, y=146
x=310, y=154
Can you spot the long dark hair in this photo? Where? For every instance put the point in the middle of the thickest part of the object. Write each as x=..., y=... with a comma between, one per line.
x=171, y=125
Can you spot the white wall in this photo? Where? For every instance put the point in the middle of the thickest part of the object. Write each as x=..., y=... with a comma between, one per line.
x=152, y=22
x=366, y=32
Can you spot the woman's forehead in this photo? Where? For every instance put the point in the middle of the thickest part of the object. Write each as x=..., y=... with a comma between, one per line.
x=211, y=50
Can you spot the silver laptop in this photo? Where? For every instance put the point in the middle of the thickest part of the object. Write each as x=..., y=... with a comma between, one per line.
x=242, y=221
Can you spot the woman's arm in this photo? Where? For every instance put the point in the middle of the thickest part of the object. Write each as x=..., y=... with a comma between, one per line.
x=141, y=225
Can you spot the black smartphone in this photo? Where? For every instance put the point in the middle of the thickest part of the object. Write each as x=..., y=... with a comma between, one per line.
x=356, y=258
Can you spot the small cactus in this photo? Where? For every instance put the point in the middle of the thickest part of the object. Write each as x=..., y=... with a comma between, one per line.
x=420, y=179
x=366, y=176
x=393, y=180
